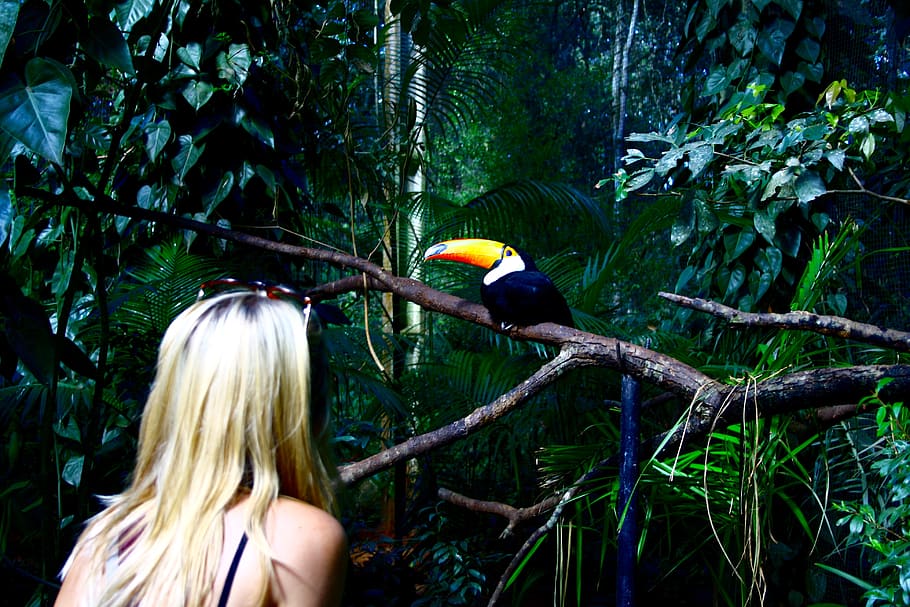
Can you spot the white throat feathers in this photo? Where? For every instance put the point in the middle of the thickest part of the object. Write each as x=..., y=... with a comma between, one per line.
x=506, y=265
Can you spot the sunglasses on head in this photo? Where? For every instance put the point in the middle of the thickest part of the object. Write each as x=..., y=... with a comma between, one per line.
x=266, y=289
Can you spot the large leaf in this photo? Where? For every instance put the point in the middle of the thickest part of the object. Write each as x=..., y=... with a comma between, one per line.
x=234, y=65
x=36, y=112
x=9, y=11
x=131, y=11
x=809, y=186
x=156, y=137
x=197, y=93
x=107, y=46
x=772, y=40
x=187, y=157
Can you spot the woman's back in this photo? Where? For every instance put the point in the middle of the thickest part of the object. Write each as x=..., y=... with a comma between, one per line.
x=310, y=558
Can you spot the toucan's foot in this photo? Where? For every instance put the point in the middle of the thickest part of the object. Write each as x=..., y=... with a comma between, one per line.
x=506, y=326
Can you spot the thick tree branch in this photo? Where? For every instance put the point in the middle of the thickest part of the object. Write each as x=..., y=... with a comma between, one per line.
x=800, y=321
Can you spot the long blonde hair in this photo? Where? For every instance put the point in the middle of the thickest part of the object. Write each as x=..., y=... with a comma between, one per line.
x=229, y=410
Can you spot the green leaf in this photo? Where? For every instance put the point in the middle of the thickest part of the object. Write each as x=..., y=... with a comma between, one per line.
x=788, y=240
x=778, y=179
x=156, y=137
x=815, y=26
x=6, y=212
x=764, y=283
x=794, y=7
x=211, y=199
x=152, y=198
x=809, y=186
x=36, y=113
x=836, y=158
x=742, y=36
x=791, y=81
x=107, y=46
x=847, y=576
x=900, y=118
x=699, y=157
x=197, y=93
x=649, y=137
x=867, y=147
x=880, y=115
x=234, y=65
x=737, y=278
x=130, y=11
x=187, y=157
x=808, y=49
x=764, y=225
x=736, y=244
x=191, y=55
x=858, y=125
x=684, y=225
x=255, y=127
x=772, y=41
x=770, y=261
x=716, y=81
x=63, y=272
x=669, y=160
x=812, y=71
x=820, y=221
x=9, y=12
x=72, y=470
x=639, y=179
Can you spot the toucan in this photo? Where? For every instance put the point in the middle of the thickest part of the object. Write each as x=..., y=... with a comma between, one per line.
x=514, y=290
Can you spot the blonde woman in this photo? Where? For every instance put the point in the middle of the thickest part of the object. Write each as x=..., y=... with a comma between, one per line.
x=230, y=499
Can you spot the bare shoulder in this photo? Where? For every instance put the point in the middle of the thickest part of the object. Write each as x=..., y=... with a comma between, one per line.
x=310, y=548
x=74, y=582
x=299, y=526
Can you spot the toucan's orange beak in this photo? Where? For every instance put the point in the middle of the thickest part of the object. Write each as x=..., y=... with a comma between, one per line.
x=475, y=251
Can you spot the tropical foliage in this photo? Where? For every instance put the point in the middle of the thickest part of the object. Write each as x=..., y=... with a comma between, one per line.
x=145, y=147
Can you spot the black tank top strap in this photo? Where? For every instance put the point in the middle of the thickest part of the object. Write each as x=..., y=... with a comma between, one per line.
x=229, y=580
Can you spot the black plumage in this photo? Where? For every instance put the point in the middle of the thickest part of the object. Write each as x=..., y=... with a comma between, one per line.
x=525, y=297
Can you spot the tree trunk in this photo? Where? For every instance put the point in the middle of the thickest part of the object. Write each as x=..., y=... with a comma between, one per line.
x=622, y=46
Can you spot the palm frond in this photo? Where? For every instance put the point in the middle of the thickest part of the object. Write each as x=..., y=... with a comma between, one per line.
x=458, y=67
x=537, y=216
x=160, y=288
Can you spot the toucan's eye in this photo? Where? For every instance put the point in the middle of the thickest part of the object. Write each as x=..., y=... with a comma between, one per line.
x=509, y=252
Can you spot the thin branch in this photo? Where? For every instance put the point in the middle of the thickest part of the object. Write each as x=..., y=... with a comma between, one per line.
x=515, y=516
x=459, y=429
x=863, y=190
x=801, y=321
x=538, y=534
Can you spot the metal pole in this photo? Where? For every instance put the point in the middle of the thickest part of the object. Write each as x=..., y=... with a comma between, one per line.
x=627, y=542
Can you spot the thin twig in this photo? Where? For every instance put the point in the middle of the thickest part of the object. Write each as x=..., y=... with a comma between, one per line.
x=863, y=190
x=801, y=321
